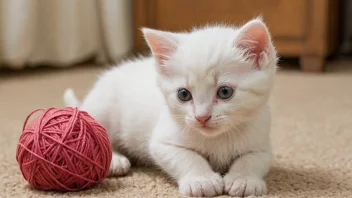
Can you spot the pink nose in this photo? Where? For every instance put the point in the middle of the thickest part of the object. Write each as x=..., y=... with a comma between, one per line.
x=203, y=118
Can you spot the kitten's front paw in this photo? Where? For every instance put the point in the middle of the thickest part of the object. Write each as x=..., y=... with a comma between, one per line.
x=120, y=165
x=201, y=186
x=243, y=186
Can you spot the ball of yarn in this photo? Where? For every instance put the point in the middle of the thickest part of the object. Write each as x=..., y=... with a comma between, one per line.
x=63, y=149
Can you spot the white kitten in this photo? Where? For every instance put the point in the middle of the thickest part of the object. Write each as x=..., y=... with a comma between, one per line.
x=198, y=108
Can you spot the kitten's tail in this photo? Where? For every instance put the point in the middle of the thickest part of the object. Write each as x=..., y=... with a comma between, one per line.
x=70, y=98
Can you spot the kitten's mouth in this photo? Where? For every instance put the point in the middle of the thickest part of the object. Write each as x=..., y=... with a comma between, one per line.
x=207, y=128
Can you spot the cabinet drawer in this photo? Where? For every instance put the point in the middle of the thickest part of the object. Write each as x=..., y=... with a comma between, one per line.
x=285, y=18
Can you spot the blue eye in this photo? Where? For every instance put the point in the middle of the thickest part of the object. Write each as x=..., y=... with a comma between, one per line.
x=184, y=95
x=225, y=92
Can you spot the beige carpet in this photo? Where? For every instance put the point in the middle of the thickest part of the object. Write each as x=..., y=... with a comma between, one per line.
x=311, y=134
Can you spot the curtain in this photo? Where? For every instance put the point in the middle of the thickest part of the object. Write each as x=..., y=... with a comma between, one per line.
x=63, y=32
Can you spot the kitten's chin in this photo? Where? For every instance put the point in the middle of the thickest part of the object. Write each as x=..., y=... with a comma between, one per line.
x=209, y=131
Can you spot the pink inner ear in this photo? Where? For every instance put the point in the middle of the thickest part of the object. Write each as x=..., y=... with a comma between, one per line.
x=254, y=39
x=162, y=44
x=162, y=52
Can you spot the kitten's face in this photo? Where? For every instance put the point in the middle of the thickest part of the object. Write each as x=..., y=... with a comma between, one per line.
x=210, y=85
x=215, y=98
x=203, y=101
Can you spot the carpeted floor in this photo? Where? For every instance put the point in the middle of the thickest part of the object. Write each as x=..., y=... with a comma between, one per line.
x=311, y=133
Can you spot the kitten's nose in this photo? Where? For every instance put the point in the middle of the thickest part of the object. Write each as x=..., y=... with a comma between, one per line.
x=203, y=118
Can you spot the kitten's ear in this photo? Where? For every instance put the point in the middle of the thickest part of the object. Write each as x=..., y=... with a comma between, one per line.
x=162, y=44
x=255, y=39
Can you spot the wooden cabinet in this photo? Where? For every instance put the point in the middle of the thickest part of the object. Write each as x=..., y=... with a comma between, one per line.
x=300, y=28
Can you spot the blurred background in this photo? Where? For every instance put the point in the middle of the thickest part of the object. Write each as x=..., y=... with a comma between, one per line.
x=47, y=46
x=64, y=33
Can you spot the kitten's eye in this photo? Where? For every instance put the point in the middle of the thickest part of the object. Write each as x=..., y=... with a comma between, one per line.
x=184, y=95
x=225, y=92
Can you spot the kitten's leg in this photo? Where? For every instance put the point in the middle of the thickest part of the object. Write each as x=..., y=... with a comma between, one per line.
x=192, y=172
x=120, y=165
x=245, y=176
x=98, y=107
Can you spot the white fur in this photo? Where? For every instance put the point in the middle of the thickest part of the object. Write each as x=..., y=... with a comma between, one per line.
x=70, y=98
x=138, y=105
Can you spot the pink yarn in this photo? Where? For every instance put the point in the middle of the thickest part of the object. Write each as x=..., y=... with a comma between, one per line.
x=63, y=149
